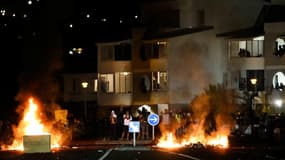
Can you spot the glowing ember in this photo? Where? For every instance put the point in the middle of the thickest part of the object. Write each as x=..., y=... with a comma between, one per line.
x=33, y=123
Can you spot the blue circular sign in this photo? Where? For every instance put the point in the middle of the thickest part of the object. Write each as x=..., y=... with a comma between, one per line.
x=153, y=119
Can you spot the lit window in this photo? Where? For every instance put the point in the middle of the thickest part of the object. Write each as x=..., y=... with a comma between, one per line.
x=159, y=81
x=246, y=48
x=123, y=82
x=95, y=85
x=107, y=83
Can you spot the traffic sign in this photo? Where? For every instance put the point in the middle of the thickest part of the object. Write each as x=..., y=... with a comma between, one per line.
x=153, y=119
x=134, y=126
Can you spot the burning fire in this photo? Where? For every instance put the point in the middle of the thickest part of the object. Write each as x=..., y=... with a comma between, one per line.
x=33, y=123
x=195, y=134
x=171, y=142
x=208, y=123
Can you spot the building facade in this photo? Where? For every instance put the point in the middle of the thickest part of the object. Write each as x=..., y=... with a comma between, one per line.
x=256, y=62
x=165, y=65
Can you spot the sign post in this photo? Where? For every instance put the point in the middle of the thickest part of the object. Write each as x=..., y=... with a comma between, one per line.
x=153, y=120
x=134, y=127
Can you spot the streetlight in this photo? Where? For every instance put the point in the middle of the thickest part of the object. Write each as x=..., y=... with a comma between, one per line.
x=253, y=81
x=84, y=86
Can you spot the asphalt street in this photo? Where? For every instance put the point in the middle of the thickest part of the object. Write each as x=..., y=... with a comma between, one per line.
x=128, y=151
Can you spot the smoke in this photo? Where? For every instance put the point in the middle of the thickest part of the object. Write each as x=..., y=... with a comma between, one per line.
x=41, y=57
x=195, y=62
x=213, y=109
x=209, y=121
x=41, y=65
x=197, y=68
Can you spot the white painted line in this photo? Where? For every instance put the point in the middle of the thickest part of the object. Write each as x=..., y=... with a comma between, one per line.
x=106, y=154
x=180, y=154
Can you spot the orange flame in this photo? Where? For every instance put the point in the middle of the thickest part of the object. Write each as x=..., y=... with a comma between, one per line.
x=169, y=141
x=32, y=123
x=195, y=134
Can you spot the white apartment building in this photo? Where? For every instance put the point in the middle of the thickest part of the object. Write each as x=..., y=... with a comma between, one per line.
x=169, y=64
x=255, y=60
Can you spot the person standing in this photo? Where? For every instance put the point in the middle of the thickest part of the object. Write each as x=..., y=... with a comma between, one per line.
x=120, y=122
x=144, y=126
x=113, y=125
x=127, y=119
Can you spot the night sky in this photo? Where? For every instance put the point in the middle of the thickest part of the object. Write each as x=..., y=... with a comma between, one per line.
x=37, y=35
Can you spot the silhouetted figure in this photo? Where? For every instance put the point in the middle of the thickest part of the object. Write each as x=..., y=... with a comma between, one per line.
x=144, y=126
x=113, y=125
x=120, y=122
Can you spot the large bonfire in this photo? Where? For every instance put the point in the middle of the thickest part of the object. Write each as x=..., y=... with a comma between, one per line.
x=34, y=122
x=208, y=124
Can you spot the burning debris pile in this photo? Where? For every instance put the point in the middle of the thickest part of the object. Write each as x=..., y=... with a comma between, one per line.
x=208, y=124
x=34, y=122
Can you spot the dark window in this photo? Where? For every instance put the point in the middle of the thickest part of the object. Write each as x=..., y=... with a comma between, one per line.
x=201, y=17
x=242, y=83
x=123, y=52
x=155, y=53
x=151, y=51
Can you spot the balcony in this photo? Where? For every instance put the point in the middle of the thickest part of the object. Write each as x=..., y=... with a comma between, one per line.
x=246, y=63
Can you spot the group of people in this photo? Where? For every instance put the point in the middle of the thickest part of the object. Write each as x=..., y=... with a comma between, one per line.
x=119, y=124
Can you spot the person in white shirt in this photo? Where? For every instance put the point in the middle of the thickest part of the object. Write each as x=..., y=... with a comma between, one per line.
x=127, y=118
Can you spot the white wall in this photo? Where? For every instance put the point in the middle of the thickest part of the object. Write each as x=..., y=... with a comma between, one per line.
x=194, y=61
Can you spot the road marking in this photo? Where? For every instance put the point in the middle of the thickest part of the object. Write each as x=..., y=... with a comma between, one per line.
x=182, y=155
x=106, y=154
x=128, y=148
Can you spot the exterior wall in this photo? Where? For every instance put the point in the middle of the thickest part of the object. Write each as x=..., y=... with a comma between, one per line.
x=113, y=99
x=140, y=68
x=194, y=61
x=143, y=68
x=270, y=63
x=273, y=31
x=78, y=95
x=273, y=63
x=111, y=66
x=251, y=63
